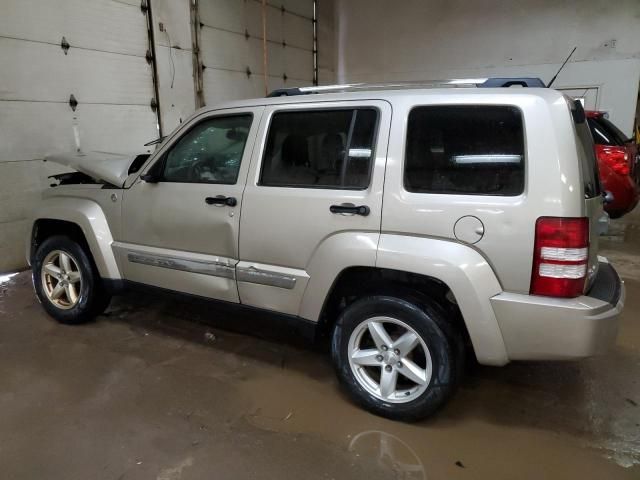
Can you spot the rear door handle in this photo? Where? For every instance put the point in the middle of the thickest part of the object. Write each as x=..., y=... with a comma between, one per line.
x=221, y=201
x=350, y=208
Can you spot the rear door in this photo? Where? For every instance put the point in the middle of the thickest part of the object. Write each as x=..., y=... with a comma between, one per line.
x=319, y=172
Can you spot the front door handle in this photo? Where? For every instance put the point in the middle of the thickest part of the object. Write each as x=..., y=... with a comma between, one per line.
x=350, y=208
x=221, y=201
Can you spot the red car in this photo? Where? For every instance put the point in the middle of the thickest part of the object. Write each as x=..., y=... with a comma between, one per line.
x=617, y=163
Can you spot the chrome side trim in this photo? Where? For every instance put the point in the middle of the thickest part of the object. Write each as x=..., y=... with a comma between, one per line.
x=273, y=279
x=215, y=269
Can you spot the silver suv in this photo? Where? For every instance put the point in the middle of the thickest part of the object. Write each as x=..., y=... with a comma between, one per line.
x=410, y=225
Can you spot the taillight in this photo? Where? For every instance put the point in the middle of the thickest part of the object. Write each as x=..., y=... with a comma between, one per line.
x=560, y=256
x=616, y=158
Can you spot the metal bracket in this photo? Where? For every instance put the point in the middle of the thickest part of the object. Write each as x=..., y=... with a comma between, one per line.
x=73, y=103
x=65, y=45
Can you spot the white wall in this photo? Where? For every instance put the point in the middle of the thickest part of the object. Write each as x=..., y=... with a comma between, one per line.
x=378, y=40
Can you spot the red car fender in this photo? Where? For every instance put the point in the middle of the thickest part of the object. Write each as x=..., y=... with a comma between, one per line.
x=625, y=191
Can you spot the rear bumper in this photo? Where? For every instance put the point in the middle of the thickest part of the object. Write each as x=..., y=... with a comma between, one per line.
x=546, y=328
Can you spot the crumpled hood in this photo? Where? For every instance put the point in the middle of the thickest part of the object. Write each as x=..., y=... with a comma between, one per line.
x=109, y=167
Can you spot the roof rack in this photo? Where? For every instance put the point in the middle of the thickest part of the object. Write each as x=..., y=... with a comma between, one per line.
x=502, y=82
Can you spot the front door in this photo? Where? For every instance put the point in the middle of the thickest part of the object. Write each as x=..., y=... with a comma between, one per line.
x=181, y=217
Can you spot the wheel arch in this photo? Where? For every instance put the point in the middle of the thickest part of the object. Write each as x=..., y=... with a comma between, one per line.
x=455, y=276
x=356, y=282
x=82, y=220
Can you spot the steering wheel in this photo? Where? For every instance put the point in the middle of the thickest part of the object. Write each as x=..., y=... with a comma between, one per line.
x=199, y=169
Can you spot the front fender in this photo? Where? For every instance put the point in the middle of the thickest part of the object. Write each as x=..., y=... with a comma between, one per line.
x=88, y=215
x=468, y=275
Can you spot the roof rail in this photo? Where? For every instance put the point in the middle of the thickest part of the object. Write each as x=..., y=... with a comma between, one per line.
x=531, y=82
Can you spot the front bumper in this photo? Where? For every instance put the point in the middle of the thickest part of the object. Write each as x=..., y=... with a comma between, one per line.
x=546, y=328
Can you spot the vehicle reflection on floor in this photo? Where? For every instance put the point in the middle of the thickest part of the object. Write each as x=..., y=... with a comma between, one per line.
x=391, y=453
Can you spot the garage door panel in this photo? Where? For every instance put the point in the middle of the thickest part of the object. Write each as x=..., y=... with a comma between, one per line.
x=225, y=14
x=299, y=63
x=23, y=181
x=97, y=24
x=254, y=21
x=221, y=86
x=304, y=8
x=91, y=76
x=275, y=82
x=109, y=127
x=31, y=130
x=298, y=31
x=276, y=60
x=224, y=50
x=227, y=56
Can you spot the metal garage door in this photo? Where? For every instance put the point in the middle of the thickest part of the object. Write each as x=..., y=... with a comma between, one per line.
x=231, y=47
x=105, y=70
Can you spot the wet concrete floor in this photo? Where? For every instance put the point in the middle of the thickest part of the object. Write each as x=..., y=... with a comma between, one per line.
x=157, y=389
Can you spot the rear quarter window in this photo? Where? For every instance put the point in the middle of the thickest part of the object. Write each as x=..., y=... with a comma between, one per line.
x=468, y=150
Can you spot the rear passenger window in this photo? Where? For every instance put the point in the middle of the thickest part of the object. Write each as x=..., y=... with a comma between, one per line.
x=320, y=149
x=468, y=150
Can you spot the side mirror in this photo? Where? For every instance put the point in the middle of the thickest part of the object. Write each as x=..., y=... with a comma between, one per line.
x=149, y=178
x=607, y=197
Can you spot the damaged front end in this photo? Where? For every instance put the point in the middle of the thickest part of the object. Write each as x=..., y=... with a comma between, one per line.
x=97, y=167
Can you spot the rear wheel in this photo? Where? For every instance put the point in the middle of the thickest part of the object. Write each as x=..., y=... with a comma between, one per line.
x=397, y=358
x=67, y=282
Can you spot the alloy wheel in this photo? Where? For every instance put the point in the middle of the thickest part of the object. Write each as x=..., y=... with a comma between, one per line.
x=61, y=279
x=389, y=359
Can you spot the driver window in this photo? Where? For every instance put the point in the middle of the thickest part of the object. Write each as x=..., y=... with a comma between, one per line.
x=210, y=152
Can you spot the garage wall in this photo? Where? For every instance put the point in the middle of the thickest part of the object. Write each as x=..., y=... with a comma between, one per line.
x=381, y=40
x=104, y=68
x=231, y=47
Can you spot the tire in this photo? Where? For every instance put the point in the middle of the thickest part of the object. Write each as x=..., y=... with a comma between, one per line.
x=412, y=400
x=83, y=296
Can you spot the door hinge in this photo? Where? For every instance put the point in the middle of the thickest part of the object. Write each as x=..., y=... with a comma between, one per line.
x=144, y=6
x=154, y=104
x=149, y=57
x=73, y=103
x=64, y=45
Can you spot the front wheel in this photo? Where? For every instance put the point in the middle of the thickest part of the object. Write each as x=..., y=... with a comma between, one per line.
x=397, y=358
x=67, y=282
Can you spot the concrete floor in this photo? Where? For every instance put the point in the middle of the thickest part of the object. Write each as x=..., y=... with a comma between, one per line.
x=152, y=391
